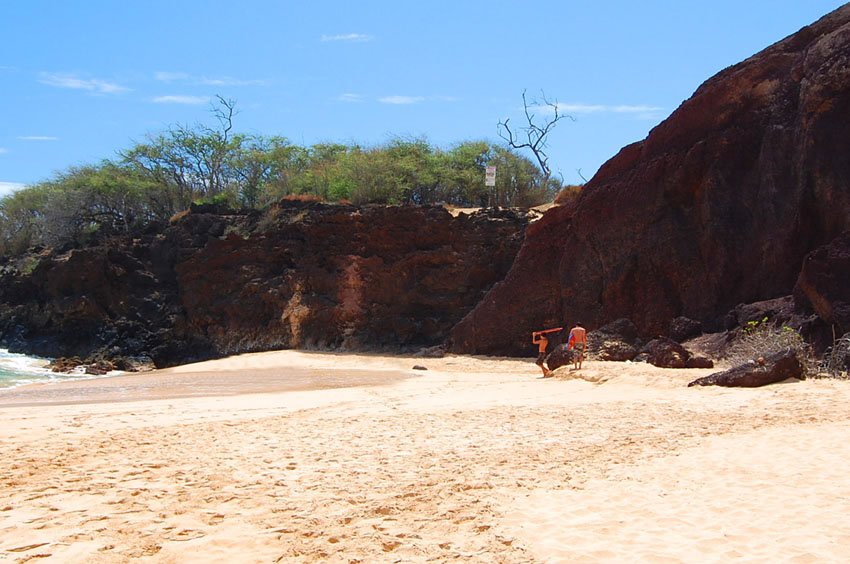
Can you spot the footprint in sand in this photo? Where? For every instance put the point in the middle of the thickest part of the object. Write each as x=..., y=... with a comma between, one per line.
x=27, y=547
x=216, y=519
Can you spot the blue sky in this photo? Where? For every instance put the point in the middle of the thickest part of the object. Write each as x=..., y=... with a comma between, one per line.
x=82, y=80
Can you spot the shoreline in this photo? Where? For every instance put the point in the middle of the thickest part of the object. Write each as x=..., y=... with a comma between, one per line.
x=248, y=373
x=475, y=459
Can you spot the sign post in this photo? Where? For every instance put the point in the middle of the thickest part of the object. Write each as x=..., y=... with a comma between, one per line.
x=490, y=180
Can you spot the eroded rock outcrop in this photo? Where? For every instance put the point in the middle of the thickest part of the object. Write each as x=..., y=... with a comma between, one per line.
x=303, y=275
x=718, y=206
x=824, y=283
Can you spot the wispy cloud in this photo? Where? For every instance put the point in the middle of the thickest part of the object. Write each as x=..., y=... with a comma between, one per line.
x=178, y=99
x=171, y=76
x=3, y=150
x=349, y=97
x=230, y=81
x=74, y=82
x=578, y=108
x=639, y=111
x=401, y=100
x=636, y=109
x=38, y=138
x=7, y=188
x=353, y=37
x=164, y=76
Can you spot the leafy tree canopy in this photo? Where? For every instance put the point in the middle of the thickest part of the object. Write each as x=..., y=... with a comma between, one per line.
x=154, y=179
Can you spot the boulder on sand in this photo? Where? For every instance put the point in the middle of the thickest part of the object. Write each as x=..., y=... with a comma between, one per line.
x=561, y=356
x=769, y=369
x=617, y=341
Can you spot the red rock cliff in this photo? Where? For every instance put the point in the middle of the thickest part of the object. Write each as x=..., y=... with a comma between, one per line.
x=302, y=275
x=717, y=206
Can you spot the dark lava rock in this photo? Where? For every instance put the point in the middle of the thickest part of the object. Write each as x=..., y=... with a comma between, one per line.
x=216, y=282
x=560, y=356
x=774, y=368
x=616, y=341
x=99, y=368
x=778, y=311
x=699, y=362
x=666, y=353
x=682, y=329
x=615, y=350
x=65, y=364
x=824, y=282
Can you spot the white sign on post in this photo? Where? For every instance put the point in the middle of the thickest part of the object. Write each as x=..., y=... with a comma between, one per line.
x=490, y=176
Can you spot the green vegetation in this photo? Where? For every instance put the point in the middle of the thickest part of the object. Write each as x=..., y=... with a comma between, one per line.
x=154, y=179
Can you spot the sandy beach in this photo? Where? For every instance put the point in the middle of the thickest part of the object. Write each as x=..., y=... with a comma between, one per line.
x=306, y=457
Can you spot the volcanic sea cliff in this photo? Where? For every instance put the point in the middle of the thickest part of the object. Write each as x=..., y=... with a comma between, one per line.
x=741, y=196
x=720, y=205
x=216, y=282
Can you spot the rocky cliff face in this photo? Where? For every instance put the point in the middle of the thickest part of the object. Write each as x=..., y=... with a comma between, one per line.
x=718, y=206
x=302, y=275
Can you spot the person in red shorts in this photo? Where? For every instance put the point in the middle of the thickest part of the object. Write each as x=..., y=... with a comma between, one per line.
x=578, y=341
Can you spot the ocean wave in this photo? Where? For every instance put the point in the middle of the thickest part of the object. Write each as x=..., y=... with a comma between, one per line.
x=19, y=369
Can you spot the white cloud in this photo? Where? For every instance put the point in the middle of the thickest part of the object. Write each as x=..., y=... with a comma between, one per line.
x=7, y=188
x=636, y=109
x=207, y=81
x=640, y=111
x=178, y=99
x=355, y=37
x=171, y=76
x=579, y=108
x=3, y=150
x=77, y=83
x=230, y=81
x=38, y=138
x=349, y=97
x=401, y=100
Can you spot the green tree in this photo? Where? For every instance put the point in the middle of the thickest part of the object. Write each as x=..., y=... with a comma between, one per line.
x=192, y=161
x=257, y=162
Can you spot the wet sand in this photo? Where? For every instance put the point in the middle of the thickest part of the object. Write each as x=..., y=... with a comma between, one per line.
x=167, y=384
x=475, y=459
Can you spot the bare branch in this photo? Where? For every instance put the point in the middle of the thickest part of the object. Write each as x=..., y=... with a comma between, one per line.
x=224, y=113
x=578, y=170
x=535, y=132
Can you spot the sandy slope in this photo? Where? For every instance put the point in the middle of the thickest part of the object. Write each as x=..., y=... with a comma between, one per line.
x=474, y=459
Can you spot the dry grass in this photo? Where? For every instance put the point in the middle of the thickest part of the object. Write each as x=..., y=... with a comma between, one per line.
x=836, y=359
x=761, y=338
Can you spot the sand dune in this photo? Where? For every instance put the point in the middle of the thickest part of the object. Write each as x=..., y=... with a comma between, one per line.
x=361, y=459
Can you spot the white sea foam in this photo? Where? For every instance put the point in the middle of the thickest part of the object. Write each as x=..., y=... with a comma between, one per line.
x=19, y=369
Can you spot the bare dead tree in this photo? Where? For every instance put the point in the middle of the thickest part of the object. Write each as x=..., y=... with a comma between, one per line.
x=219, y=149
x=533, y=135
x=224, y=113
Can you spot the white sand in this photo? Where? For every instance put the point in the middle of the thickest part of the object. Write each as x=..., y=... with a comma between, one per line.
x=475, y=459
